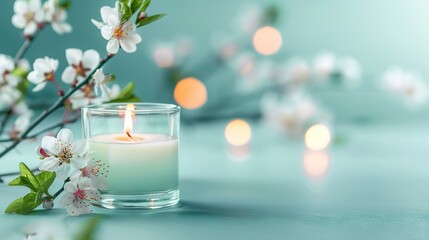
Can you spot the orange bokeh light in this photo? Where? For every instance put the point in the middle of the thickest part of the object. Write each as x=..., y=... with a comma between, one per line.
x=190, y=93
x=316, y=164
x=267, y=40
x=238, y=132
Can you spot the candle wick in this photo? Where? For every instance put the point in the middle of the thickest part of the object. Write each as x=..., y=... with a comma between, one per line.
x=129, y=135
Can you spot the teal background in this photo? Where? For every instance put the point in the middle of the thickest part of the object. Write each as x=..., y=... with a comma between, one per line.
x=378, y=33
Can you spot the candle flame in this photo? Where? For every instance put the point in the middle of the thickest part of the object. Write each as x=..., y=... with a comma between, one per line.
x=128, y=125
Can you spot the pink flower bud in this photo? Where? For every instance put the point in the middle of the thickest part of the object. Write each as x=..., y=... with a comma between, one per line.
x=142, y=15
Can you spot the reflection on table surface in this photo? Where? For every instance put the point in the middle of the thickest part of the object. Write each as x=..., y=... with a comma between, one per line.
x=370, y=185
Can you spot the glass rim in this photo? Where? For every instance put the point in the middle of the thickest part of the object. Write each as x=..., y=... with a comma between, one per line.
x=141, y=108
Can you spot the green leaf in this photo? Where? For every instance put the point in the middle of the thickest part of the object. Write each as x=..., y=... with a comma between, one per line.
x=127, y=95
x=146, y=4
x=65, y=4
x=45, y=180
x=88, y=232
x=25, y=204
x=26, y=172
x=135, y=5
x=150, y=19
x=23, y=181
x=125, y=11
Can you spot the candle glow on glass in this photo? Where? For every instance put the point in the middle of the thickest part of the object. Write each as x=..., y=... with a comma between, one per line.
x=317, y=137
x=267, y=40
x=238, y=132
x=190, y=93
x=316, y=164
x=128, y=121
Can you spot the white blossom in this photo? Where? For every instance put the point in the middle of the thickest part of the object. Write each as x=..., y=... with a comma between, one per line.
x=57, y=16
x=28, y=14
x=44, y=230
x=44, y=70
x=6, y=68
x=407, y=85
x=95, y=170
x=78, y=196
x=296, y=71
x=62, y=152
x=22, y=123
x=118, y=33
x=81, y=64
x=350, y=70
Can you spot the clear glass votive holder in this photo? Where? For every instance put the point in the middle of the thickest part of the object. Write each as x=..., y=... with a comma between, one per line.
x=139, y=143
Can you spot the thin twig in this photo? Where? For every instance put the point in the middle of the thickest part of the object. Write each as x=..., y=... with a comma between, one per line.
x=59, y=103
x=26, y=45
x=6, y=118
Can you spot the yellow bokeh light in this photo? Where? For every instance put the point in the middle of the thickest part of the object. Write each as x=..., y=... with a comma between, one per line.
x=190, y=93
x=238, y=132
x=316, y=163
x=267, y=40
x=317, y=137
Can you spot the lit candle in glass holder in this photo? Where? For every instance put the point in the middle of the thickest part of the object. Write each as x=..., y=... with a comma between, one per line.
x=139, y=143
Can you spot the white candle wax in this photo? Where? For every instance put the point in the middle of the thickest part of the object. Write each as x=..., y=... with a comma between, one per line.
x=148, y=164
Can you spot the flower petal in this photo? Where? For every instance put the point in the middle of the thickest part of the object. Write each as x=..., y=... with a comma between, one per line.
x=30, y=29
x=18, y=21
x=112, y=46
x=106, y=11
x=50, y=144
x=49, y=164
x=39, y=87
x=65, y=135
x=20, y=7
x=113, y=20
x=35, y=77
x=79, y=147
x=91, y=59
x=63, y=171
x=98, y=24
x=73, y=55
x=69, y=75
x=107, y=32
x=42, y=65
x=128, y=46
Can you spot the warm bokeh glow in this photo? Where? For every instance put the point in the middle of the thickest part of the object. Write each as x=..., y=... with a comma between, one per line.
x=190, y=93
x=317, y=137
x=238, y=132
x=128, y=123
x=267, y=40
x=164, y=57
x=316, y=164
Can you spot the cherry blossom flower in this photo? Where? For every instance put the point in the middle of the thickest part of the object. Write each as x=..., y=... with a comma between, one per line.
x=86, y=96
x=296, y=71
x=78, y=196
x=6, y=67
x=324, y=66
x=57, y=16
x=44, y=70
x=81, y=64
x=61, y=152
x=28, y=14
x=95, y=170
x=350, y=70
x=118, y=33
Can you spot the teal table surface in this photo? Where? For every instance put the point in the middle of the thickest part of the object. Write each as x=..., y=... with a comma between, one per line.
x=372, y=183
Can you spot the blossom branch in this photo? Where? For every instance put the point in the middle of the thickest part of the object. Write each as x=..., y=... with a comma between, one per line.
x=59, y=103
x=25, y=46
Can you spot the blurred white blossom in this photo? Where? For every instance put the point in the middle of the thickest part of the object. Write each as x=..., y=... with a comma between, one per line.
x=43, y=71
x=296, y=71
x=172, y=53
x=28, y=15
x=44, y=230
x=250, y=19
x=56, y=16
x=292, y=114
x=324, y=65
x=407, y=85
